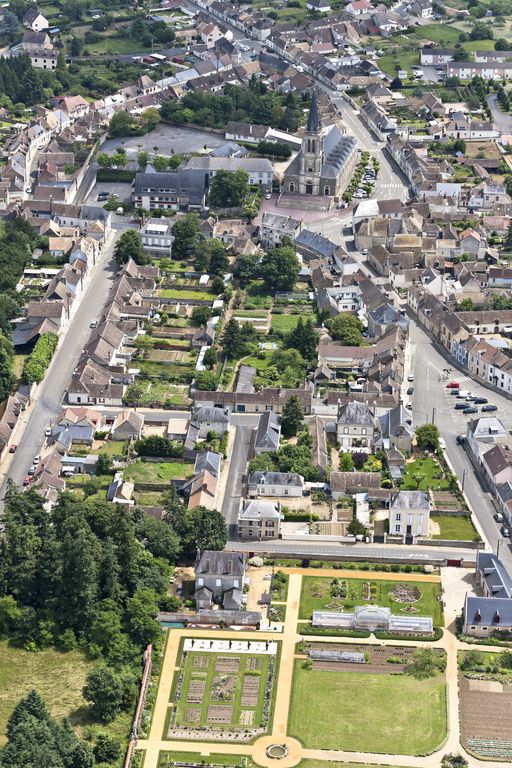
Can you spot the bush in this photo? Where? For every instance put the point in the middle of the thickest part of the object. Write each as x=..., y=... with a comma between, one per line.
x=158, y=446
x=37, y=362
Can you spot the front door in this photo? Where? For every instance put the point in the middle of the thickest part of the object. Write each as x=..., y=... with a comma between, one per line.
x=309, y=188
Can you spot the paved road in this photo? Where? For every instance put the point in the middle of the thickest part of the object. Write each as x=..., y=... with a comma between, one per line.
x=502, y=119
x=431, y=395
x=48, y=401
x=237, y=465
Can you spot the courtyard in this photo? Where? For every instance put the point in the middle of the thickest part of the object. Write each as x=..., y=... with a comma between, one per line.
x=339, y=594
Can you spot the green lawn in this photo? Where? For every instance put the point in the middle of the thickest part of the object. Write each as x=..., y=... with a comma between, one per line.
x=454, y=528
x=406, y=60
x=260, y=363
x=173, y=293
x=363, y=712
x=168, y=759
x=334, y=764
x=438, y=33
x=285, y=323
x=316, y=596
x=158, y=472
x=111, y=447
x=430, y=469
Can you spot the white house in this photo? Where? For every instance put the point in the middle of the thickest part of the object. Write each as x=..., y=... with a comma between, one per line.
x=275, y=484
x=35, y=21
x=409, y=514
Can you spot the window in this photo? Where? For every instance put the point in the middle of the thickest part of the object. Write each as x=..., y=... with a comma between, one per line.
x=286, y=491
x=218, y=582
x=409, y=519
x=345, y=430
x=363, y=431
x=397, y=528
x=398, y=517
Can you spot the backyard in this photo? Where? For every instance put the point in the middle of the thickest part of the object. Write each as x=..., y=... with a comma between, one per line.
x=325, y=594
x=365, y=712
x=158, y=472
x=423, y=475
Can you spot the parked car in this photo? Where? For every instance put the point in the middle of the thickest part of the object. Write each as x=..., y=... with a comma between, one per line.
x=442, y=443
x=453, y=385
x=454, y=392
x=36, y=459
x=32, y=470
x=268, y=196
x=48, y=431
x=461, y=406
x=93, y=324
x=27, y=480
x=489, y=408
x=505, y=531
x=463, y=393
x=460, y=439
x=12, y=449
x=410, y=391
x=498, y=517
x=480, y=400
x=102, y=196
x=469, y=409
x=410, y=377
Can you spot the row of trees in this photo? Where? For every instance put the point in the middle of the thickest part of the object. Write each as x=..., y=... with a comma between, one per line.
x=36, y=364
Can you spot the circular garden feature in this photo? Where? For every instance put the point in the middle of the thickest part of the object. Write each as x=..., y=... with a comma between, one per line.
x=277, y=751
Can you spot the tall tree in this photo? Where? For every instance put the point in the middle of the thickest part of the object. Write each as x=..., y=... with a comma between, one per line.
x=280, y=268
x=187, y=236
x=293, y=417
x=129, y=246
x=232, y=341
x=229, y=189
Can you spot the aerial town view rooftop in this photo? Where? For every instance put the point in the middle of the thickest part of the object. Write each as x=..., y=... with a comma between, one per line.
x=255, y=384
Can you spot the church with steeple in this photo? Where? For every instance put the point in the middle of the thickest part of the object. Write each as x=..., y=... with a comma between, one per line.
x=325, y=162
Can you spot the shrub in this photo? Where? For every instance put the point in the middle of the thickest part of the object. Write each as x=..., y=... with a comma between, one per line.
x=37, y=362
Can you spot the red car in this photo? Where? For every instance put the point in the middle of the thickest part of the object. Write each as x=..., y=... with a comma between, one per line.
x=453, y=385
x=27, y=480
x=12, y=449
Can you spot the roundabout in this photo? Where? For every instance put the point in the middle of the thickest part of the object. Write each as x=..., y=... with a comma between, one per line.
x=277, y=751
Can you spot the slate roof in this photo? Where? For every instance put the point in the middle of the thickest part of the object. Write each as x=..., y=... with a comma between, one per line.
x=276, y=478
x=259, y=509
x=488, y=612
x=356, y=413
x=268, y=432
x=222, y=563
x=494, y=574
x=411, y=500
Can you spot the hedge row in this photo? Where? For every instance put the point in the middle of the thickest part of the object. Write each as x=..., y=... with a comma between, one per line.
x=115, y=174
x=310, y=630
x=34, y=368
x=438, y=633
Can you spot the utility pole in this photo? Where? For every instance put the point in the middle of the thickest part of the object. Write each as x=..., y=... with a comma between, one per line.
x=433, y=415
x=463, y=479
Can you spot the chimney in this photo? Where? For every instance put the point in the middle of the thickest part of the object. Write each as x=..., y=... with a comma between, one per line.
x=478, y=616
x=496, y=619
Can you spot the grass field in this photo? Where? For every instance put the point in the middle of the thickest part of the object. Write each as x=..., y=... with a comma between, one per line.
x=438, y=33
x=111, y=447
x=333, y=764
x=355, y=711
x=168, y=759
x=316, y=596
x=406, y=60
x=454, y=528
x=220, y=688
x=152, y=472
x=59, y=678
x=286, y=323
x=430, y=469
x=173, y=293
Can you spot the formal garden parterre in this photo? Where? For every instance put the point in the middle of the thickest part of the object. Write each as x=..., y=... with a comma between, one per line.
x=223, y=694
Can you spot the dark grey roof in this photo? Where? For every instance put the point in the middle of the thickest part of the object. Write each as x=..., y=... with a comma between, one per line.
x=221, y=563
x=276, y=478
x=495, y=575
x=208, y=460
x=314, y=114
x=229, y=149
x=268, y=432
x=232, y=599
x=204, y=413
x=315, y=242
x=488, y=611
x=259, y=509
x=411, y=500
x=186, y=182
x=356, y=413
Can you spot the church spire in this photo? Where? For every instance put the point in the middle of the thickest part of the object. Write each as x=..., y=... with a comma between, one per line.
x=314, y=114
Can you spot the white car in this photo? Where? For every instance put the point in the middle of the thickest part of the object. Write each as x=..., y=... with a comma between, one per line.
x=442, y=443
x=93, y=324
x=268, y=196
x=36, y=460
x=48, y=431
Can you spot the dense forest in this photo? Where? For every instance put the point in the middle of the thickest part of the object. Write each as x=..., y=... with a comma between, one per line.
x=91, y=576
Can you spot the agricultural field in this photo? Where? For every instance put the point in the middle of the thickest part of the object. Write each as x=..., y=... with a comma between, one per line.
x=485, y=695
x=230, y=692
x=333, y=709
x=325, y=594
